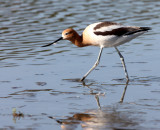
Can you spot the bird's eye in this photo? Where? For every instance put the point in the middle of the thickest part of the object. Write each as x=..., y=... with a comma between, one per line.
x=67, y=33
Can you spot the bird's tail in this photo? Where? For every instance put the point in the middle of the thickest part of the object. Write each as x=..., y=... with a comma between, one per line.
x=137, y=30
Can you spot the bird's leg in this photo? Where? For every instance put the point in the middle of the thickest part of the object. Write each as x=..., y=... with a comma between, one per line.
x=94, y=66
x=123, y=63
x=124, y=92
x=97, y=99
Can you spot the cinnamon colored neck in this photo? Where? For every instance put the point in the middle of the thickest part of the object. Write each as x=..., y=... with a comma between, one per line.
x=78, y=40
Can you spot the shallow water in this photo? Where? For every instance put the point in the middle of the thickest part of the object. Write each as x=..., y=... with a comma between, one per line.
x=42, y=83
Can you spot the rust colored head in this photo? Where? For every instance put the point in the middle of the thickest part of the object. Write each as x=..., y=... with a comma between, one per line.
x=69, y=34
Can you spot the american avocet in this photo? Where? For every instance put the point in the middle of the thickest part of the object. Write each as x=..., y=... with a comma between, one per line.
x=103, y=34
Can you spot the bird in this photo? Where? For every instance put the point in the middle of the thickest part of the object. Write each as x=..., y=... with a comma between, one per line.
x=103, y=34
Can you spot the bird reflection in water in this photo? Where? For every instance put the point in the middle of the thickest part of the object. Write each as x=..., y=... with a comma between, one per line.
x=103, y=94
x=102, y=118
x=93, y=93
x=109, y=118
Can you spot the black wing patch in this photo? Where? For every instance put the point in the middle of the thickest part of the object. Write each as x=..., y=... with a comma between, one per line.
x=122, y=31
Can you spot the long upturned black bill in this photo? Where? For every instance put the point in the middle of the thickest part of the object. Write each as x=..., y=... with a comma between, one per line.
x=53, y=42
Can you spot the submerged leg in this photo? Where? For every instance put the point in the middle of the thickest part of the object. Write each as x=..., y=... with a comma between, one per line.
x=123, y=63
x=94, y=66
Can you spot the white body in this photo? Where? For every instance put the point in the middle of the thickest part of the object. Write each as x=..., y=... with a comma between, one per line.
x=109, y=40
